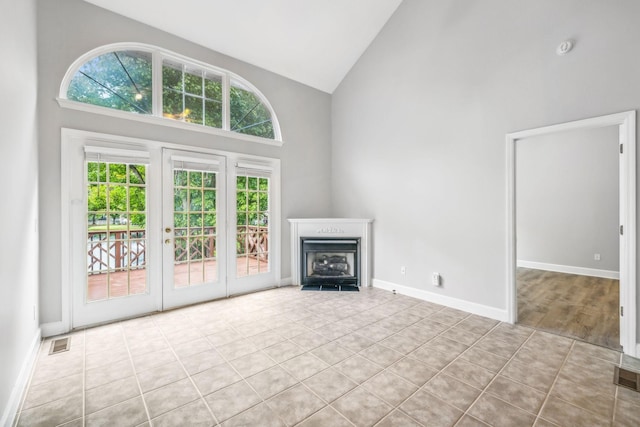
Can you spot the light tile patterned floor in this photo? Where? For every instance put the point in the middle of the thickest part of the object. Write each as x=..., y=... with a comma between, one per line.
x=291, y=357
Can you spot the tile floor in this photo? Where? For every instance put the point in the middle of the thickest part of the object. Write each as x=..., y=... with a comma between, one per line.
x=291, y=357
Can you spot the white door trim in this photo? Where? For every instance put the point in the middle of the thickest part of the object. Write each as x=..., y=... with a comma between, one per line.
x=626, y=121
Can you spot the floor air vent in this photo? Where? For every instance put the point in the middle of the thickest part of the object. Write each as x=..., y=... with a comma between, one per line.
x=59, y=345
x=625, y=378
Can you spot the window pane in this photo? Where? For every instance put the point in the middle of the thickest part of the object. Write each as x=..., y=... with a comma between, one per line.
x=172, y=76
x=193, y=82
x=119, y=80
x=213, y=113
x=209, y=200
x=137, y=199
x=210, y=221
x=173, y=107
x=248, y=114
x=193, y=109
x=195, y=200
x=195, y=179
x=209, y=180
x=137, y=174
x=179, y=178
x=180, y=200
x=213, y=87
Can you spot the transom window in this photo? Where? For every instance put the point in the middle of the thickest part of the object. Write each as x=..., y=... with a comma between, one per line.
x=152, y=82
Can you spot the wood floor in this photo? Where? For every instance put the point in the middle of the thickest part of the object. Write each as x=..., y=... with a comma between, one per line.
x=579, y=307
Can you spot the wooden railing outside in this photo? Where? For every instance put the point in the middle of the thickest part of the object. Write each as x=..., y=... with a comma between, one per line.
x=121, y=249
x=117, y=249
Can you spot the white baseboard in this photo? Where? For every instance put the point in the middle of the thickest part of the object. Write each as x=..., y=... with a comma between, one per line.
x=53, y=328
x=581, y=271
x=11, y=410
x=286, y=281
x=468, y=306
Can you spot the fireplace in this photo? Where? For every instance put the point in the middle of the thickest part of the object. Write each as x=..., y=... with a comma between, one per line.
x=330, y=263
x=332, y=229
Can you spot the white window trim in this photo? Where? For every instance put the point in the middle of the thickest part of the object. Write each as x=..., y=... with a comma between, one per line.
x=158, y=56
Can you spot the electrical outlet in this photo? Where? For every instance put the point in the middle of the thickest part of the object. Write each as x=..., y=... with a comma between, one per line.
x=403, y=270
x=435, y=279
x=596, y=257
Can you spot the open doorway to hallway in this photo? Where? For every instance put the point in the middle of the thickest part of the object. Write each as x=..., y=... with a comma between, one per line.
x=567, y=222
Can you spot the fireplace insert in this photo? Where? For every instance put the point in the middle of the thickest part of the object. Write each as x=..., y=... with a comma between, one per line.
x=330, y=263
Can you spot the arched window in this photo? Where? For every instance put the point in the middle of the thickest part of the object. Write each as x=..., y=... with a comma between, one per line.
x=146, y=83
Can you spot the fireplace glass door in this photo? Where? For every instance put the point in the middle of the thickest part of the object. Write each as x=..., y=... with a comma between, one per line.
x=330, y=262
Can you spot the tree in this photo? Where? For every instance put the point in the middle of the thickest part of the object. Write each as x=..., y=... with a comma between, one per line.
x=122, y=80
x=118, y=80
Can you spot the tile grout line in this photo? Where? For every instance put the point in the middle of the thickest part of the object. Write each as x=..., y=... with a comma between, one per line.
x=574, y=343
x=299, y=382
x=497, y=374
x=164, y=336
x=228, y=362
x=360, y=385
x=439, y=370
x=615, y=395
x=555, y=380
x=281, y=367
x=384, y=369
x=135, y=374
x=482, y=391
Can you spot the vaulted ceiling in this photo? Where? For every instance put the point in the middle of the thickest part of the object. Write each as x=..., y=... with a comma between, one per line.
x=315, y=42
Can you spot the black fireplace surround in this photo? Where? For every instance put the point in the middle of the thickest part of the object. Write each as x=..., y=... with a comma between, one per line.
x=330, y=263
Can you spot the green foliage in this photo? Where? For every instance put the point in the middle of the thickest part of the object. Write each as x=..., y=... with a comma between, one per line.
x=123, y=81
x=249, y=115
x=104, y=81
x=193, y=96
x=194, y=200
x=252, y=201
x=117, y=192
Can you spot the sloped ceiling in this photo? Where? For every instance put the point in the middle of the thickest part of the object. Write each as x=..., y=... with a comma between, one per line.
x=315, y=42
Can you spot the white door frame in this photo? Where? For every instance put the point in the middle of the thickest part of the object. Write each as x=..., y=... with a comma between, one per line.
x=72, y=141
x=626, y=122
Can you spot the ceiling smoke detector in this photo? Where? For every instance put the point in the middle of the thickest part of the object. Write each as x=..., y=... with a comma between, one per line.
x=564, y=47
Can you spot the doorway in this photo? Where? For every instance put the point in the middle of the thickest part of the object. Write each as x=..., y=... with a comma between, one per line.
x=148, y=225
x=623, y=125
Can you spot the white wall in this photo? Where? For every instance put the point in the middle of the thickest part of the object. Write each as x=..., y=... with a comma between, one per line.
x=19, y=206
x=419, y=125
x=567, y=199
x=69, y=28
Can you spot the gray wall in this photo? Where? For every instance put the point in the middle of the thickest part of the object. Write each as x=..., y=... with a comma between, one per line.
x=567, y=200
x=419, y=124
x=70, y=28
x=19, y=206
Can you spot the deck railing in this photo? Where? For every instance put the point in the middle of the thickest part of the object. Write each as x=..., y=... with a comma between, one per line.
x=115, y=250
x=126, y=249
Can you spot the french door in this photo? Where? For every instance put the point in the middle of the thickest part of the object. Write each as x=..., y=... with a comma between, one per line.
x=194, y=218
x=150, y=227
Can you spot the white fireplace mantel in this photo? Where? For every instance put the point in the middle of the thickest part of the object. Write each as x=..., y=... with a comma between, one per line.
x=332, y=227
